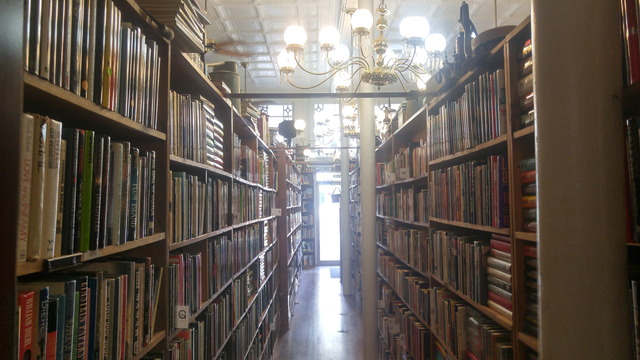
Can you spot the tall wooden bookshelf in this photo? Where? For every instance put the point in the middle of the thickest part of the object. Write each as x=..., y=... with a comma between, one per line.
x=308, y=183
x=213, y=235
x=446, y=222
x=290, y=234
x=355, y=234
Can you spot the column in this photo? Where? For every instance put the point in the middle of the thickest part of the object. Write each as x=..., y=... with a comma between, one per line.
x=584, y=311
x=345, y=218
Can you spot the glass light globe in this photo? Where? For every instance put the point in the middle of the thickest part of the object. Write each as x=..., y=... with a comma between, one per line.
x=339, y=55
x=342, y=80
x=435, y=42
x=389, y=57
x=414, y=27
x=422, y=81
x=421, y=56
x=299, y=124
x=348, y=111
x=361, y=18
x=307, y=152
x=329, y=36
x=295, y=35
x=286, y=59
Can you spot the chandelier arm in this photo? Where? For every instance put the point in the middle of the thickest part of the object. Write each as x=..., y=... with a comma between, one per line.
x=402, y=77
x=331, y=71
x=312, y=86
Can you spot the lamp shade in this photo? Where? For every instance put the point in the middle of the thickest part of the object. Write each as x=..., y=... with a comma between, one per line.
x=420, y=56
x=299, y=124
x=435, y=42
x=339, y=55
x=348, y=110
x=287, y=129
x=286, y=60
x=361, y=18
x=413, y=27
x=422, y=81
x=295, y=35
x=329, y=36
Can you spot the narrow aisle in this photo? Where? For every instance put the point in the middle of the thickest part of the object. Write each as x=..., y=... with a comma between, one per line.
x=325, y=324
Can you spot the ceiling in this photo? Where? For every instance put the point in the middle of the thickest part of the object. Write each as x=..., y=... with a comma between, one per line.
x=256, y=27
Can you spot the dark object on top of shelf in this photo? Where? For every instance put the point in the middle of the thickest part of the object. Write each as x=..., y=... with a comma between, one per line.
x=286, y=129
x=335, y=197
x=468, y=29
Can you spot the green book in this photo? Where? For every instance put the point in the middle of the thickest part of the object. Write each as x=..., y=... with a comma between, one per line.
x=87, y=183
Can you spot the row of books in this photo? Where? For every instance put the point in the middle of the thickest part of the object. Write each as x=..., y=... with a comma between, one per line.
x=460, y=261
x=250, y=203
x=294, y=198
x=294, y=240
x=410, y=246
x=195, y=133
x=412, y=204
x=404, y=334
x=531, y=293
x=294, y=219
x=499, y=276
x=101, y=310
x=410, y=286
x=479, y=115
x=264, y=168
x=529, y=199
x=525, y=85
x=197, y=206
x=84, y=46
x=80, y=191
x=308, y=233
x=185, y=285
x=475, y=192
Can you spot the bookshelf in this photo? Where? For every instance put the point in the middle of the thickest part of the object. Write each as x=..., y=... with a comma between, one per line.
x=450, y=226
x=355, y=233
x=309, y=231
x=196, y=252
x=289, y=201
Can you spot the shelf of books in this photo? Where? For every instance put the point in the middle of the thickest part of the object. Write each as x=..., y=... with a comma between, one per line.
x=355, y=234
x=307, y=179
x=289, y=202
x=145, y=227
x=455, y=228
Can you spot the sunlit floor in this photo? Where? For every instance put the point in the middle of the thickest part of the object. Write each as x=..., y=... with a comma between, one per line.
x=325, y=324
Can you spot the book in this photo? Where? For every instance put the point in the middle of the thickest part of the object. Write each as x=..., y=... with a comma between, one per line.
x=115, y=181
x=52, y=328
x=96, y=194
x=529, y=189
x=528, y=176
x=46, y=25
x=530, y=251
x=34, y=243
x=28, y=311
x=527, y=164
x=499, y=308
x=631, y=40
x=499, y=274
x=632, y=142
x=26, y=172
x=77, y=25
x=134, y=196
x=33, y=13
x=61, y=308
x=72, y=137
x=85, y=201
x=60, y=205
x=499, y=264
x=51, y=187
x=105, y=195
x=529, y=202
x=40, y=317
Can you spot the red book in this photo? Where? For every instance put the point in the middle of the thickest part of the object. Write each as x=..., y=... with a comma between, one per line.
x=26, y=302
x=530, y=251
x=527, y=177
x=500, y=245
x=500, y=300
x=470, y=355
x=630, y=26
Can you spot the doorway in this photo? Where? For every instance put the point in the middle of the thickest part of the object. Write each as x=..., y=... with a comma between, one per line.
x=328, y=218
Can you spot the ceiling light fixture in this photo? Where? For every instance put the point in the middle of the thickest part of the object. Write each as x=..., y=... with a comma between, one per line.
x=374, y=61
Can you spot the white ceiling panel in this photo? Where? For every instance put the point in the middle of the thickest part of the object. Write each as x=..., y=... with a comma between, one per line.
x=243, y=25
x=237, y=12
x=285, y=11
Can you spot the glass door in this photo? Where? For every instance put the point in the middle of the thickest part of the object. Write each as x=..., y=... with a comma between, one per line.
x=328, y=218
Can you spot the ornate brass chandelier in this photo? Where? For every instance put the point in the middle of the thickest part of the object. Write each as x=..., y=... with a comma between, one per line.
x=374, y=61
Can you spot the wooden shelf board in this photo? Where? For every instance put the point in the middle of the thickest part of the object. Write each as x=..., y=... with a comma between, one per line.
x=468, y=154
x=528, y=131
x=198, y=239
x=179, y=161
x=116, y=249
x=527, y=236
x=502, y=231
x=528, y=340
x=81, y=112
x=155, y=340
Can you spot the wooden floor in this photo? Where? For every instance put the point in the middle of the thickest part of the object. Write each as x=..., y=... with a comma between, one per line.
x=325, y=324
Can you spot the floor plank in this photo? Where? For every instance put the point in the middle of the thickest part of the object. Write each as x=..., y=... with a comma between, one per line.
x=325, y=325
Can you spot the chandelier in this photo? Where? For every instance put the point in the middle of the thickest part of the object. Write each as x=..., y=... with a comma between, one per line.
x=374, y=61
x=350, y=126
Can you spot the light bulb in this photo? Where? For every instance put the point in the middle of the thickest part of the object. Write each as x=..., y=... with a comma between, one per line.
x=361, y=19
x=307, y=152
x=414, y=27
x=299, y=124
x=329, y=36
x=435, y=42
x=348, y=111
x=420, y=56
x=286, y=60
x=422, y=81
x=339, y=55
x=295, y=35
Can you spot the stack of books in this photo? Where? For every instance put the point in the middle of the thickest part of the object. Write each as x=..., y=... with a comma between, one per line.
x=525, y=85
x=499, y=294
x=186, y=18
x=531, y=289
x=214, y=135
x=529, y=199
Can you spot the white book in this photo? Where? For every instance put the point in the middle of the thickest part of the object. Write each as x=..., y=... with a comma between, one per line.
x=115, y=182
x=60, y=207
x=51, y=187
x=26, y=171
x=37, y=188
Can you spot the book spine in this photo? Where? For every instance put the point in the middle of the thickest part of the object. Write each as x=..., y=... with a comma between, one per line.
x=84, y=46
x=26, y=301
x=55, y=24
x=34, y=243
x=152, y=193
x=82, y=321
x=79, y=189
x=43, y=316
x=26, y=172
x=499, y=264
x=52, y=329
x=632, y=47
x=126, y=181
x=68, y=26
x=87, y=186
x=45, y=38
x=61, y=197
x=105, y=192
x=77, y=18
x=61, y=327
x=113, y=221
x=96, y=193
x=71, y=179
x=34, y=13
x=133, y=195
x=51, y=186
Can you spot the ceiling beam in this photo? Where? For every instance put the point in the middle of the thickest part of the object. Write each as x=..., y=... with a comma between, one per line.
x=300, y=95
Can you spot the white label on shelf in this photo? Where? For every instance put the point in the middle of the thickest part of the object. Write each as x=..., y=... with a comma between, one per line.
x=182, y=317
x=276, y=211
x=404, y=173
x=389, y=178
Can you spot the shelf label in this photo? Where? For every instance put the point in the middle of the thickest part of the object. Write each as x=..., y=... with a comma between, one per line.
x=389, y=178
x=276, y=211
x=404, y=173
x=182, y=317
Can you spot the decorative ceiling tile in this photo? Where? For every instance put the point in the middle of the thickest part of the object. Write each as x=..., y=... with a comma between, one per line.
x=237, y=12
x=278, y=11
x=243, y=25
